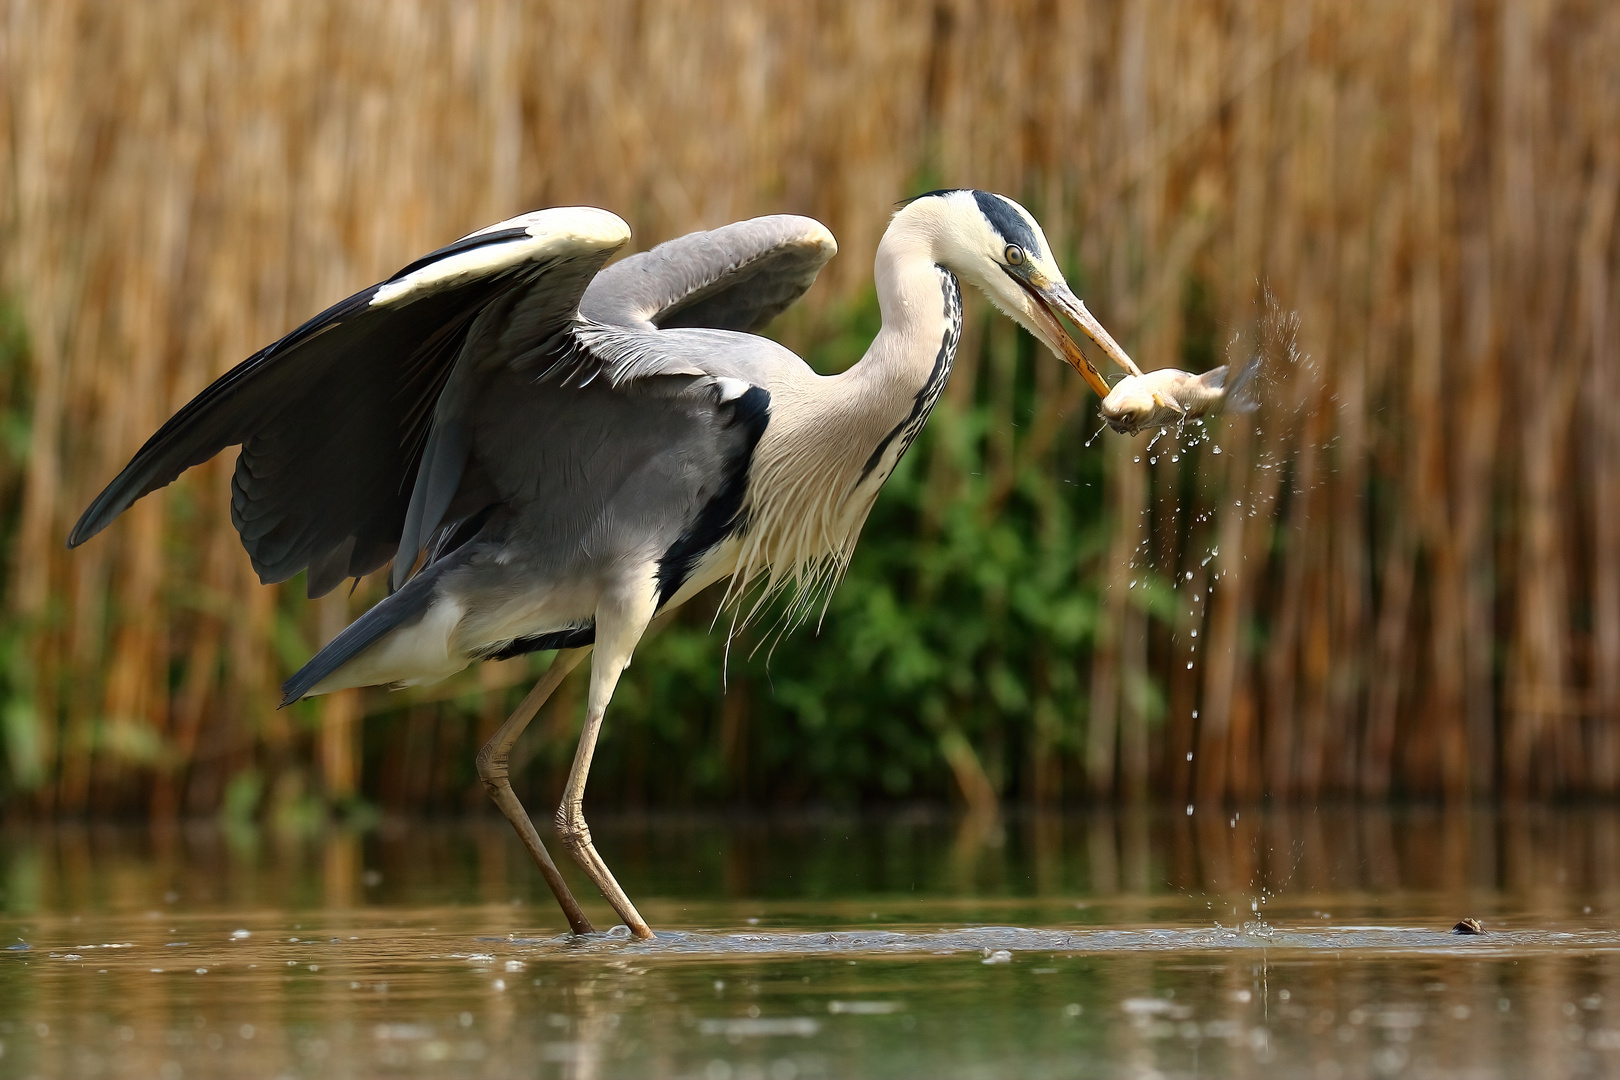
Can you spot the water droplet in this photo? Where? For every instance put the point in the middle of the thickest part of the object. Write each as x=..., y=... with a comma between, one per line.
x=1189, y=665
x=1195, y=714
x=1189, y=805
x=1217, y=449
x=1189, y=758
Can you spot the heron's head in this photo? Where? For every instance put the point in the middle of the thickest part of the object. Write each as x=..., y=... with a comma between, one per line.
x=997, y=245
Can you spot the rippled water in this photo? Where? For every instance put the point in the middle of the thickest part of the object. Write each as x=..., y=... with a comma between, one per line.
x=1312, y=945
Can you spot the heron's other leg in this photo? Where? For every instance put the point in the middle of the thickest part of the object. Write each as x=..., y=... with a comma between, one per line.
x=621, y=620
x=492, y=770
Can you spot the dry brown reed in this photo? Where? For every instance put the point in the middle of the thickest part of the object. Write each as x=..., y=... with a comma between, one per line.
x=1423, y=525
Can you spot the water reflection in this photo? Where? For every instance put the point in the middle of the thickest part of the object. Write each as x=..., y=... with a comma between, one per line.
x=1253, y=944
x=1535, y=859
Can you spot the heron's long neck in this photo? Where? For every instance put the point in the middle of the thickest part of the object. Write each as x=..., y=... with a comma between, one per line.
x=906, y=367
x=824, y=456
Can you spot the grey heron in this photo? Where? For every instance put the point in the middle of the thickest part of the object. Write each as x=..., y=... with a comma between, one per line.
x=553, y=452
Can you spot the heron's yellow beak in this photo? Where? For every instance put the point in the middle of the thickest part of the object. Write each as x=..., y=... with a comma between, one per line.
x=1054, y=298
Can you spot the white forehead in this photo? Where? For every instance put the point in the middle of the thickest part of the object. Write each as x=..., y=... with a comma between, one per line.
x=1003, y=221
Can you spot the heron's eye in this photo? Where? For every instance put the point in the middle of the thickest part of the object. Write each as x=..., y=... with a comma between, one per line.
x=1014, y=254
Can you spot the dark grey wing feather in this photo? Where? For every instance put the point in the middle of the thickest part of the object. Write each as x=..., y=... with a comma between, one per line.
x=332, y=418
x=737, y=277
x=326, y=457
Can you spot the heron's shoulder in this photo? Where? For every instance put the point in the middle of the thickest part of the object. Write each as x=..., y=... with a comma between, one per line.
x=727, y=354
x=730, y=347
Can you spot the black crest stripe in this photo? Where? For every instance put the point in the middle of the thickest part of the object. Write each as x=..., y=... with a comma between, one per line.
x=1007, y=221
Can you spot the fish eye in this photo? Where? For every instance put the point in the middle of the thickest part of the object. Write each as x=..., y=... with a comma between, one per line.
x=1014, y=254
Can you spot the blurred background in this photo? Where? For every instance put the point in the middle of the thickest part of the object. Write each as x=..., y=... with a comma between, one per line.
x=1396, y=579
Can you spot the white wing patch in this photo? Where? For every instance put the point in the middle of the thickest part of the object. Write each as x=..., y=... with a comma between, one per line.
x=732, y=389
x=558, y=231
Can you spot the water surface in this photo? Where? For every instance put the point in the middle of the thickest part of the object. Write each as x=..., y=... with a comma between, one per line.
x=1309, y=944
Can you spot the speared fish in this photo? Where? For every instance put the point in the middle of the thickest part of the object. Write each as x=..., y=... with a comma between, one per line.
x=1168, y=396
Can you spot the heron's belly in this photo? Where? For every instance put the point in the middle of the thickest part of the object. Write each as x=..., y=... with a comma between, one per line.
x=475, y=617
x=510, y=612
x=494, y=620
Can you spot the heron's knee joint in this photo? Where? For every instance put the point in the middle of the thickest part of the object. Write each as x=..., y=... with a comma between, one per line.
x=571, y=828
x=492, y=768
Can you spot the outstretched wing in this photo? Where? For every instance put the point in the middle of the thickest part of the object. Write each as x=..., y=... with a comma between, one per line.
x=333, y=418
x=737, y=277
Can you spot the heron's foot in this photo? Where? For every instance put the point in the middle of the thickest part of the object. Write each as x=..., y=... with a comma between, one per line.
x=576, y=838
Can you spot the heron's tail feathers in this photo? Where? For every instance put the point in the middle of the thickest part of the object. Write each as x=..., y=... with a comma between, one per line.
x=410, y=604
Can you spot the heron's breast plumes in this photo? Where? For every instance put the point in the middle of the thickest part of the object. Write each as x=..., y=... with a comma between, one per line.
x=807, y=500
x=830, y=445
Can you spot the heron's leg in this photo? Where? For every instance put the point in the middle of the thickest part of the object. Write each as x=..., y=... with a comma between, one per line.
x=621, y=619
x=492, y=770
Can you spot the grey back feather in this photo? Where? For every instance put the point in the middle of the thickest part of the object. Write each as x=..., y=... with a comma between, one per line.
x=737, y=277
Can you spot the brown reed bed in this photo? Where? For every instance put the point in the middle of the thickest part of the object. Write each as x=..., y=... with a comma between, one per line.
x=1401, y=570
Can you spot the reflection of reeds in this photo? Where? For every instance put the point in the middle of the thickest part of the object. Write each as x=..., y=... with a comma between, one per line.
x=1415, y=589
